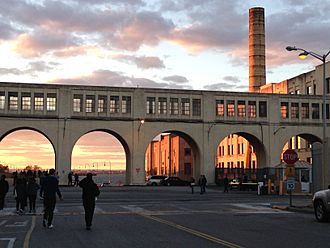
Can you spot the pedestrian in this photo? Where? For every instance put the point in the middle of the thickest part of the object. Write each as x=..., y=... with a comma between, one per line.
x=76, y=179
x=90, y=192
x=32, y=191
x=226, y=184
x=20, y=193
x=70, y=179
x=4, y=187
x=192, y=184
x=48, y=191
x=202, y=183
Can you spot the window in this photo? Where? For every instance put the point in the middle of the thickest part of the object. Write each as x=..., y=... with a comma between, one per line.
x=162, y=105
x=315, y=111
x=39, y=101
x=2, y=100
x=196, y=107
x=185, y=106
x=294, y=110
x=314, y=89
x=51, y=102
x=26, y=101
x=230, y=108
x=238, y=148
x=252, y=109
x=241, y=108
x=327, y=86
x=220, y=108
x=228, y=151
x=297, y=92
x=114, y=104
x=126, y=104
x=284, y=110
x=90, y=104
x=309, y=90
x=174, y=106
x=13, y=101
x=262, y=109
x=102, y=104
x=77, y=103
x=151, y=105
x=305, y=110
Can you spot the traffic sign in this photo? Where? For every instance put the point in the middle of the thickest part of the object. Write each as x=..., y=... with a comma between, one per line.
x=290, y=171
x=290, y=185
x=290, y=156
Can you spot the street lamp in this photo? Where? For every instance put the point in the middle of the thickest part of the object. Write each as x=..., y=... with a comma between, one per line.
x=323, y=57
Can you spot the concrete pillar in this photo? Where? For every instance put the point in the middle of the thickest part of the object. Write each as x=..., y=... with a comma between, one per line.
x=257, y=58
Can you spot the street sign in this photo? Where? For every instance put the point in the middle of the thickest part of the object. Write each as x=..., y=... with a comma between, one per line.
x=290, y=156
x=290, y=185
x=289, y=171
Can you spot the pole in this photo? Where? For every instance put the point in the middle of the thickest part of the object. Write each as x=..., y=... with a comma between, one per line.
x=324, y=160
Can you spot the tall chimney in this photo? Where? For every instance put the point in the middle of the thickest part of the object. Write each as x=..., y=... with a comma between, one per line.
x=257, y=58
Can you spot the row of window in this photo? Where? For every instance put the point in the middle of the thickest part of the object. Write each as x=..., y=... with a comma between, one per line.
x=303, y=110
x=176, y=106
x=230, y=149
x=101, y=104
x=37, y=101
x=244, y=108
x=240, y=165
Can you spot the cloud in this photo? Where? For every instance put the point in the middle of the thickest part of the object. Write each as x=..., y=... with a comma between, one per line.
x=142, y=62
x=232, y=79
x=232, y=83
x=176, y=79
x=31, y=69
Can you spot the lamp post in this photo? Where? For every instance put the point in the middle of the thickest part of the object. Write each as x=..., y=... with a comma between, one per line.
x=304, y=53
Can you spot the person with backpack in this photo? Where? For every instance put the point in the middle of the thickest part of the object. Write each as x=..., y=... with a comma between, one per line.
x=90, y=192
x=4, y=187
x=32, y=190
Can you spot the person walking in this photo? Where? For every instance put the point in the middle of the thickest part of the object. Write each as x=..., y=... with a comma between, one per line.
x=192, y=184
x=48, y=191
x=70, y=179
x=76, y=179
x=4, y=187
x=202, y=184
x=226, y=184
x=90, y=192
x=32, y=190
x=20, y=193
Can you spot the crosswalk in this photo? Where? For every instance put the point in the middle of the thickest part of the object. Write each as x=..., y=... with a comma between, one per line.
x=241, y=208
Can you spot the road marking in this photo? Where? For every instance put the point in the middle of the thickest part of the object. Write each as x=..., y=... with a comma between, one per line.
x=194, y=232
x=28, y=234
x=18, y=224
x=3, y=222
x=257, y=209
x=10, y=243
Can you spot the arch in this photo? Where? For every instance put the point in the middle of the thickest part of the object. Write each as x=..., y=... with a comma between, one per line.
x=22, y=128
x=114, y=134
x=312, y=138
x=193, y=144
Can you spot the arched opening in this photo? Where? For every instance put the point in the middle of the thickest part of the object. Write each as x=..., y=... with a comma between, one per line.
x=302, y=170
x=102, y=153
x=241, y=158
x=173, y=154
x=26, y=149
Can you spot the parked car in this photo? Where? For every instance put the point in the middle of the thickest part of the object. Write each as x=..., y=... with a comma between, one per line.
x=321, y=203
x=155, y=180
x=174, y=181
x=234, y=184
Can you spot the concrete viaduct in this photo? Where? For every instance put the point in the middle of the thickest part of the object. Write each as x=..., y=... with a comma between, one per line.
x=64, y=113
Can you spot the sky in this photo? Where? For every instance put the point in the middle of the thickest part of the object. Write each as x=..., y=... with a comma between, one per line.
x=188, y=44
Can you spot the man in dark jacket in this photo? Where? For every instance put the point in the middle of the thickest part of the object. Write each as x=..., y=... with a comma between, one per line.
x=90, y=191
x=49, y=189
x=4, y=187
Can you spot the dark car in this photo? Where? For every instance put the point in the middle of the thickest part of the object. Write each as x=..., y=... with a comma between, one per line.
x=174, y=181
x=321, y=203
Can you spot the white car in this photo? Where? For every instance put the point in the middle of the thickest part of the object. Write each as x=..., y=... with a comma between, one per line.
x=321, y=203
x=155, y=180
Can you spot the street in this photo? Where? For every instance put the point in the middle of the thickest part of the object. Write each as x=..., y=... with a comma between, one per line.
x=167, y=217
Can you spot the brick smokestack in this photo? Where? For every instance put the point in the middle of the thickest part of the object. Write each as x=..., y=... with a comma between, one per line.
x=257, y=58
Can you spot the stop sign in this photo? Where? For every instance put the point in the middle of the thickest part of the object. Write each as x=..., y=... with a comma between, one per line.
x=290, y=156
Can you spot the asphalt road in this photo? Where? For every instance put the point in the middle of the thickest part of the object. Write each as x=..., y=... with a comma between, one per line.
x=167, y=217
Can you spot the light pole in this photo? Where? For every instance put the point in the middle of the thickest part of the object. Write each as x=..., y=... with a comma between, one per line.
x=323, y=58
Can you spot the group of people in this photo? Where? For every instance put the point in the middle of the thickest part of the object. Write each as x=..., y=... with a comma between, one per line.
x=70, y=179
x=201, y=182
x=26, y=187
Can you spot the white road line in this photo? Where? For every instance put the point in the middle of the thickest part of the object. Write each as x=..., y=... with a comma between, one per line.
x=10, y=243
x=3, y=222
x=256, y=209
x=18, y=224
